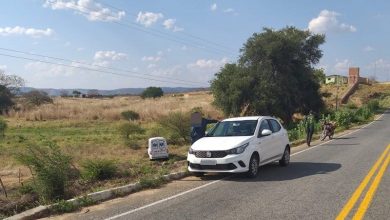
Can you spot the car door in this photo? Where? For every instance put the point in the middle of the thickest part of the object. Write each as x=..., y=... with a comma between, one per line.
x=277, y=138
x=264, y=143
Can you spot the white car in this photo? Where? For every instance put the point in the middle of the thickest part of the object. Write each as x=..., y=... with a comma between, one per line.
x=238, y=145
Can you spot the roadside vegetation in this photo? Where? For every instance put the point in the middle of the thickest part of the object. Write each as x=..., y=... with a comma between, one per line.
x=53, y=149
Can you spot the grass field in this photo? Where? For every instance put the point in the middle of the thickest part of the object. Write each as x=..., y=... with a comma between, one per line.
x=89, y=129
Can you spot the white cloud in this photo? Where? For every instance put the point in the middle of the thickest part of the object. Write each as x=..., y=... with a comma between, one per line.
x=184, y=47
x=109, y=55
x=208, y=64
x=3, y=67
x=170, y=24
x=148, y=18
x=341, y=67
x=67, y=44
x=151, y=58
x=80, y=49
x=31, y=32
x=327, y=22
x=49, y=70
x=151, y=66
x=91, y=10
x=368, y=49
x=229, y=10
x=213, y=7
x=380, y=64
x=176, y=70
x=104, y=63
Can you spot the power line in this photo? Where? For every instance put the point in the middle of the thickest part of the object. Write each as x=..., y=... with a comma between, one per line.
x=95, y=70
x=181, y=32
x=154, y=32
x=95, y=65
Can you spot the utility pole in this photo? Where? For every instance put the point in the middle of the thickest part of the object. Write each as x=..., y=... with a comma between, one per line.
x=337, y=94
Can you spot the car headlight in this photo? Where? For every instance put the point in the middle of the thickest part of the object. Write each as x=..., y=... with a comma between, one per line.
x=238, y=150
x=190, y=151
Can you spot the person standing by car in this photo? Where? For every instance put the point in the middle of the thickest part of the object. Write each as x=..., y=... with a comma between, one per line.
x=309, y=126
x=199, y=126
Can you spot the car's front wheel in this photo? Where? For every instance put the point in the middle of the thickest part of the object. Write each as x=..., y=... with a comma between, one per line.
x=286, y=157
x=253, y=167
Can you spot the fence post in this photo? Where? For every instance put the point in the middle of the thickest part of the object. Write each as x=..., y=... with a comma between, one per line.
x=2, y=185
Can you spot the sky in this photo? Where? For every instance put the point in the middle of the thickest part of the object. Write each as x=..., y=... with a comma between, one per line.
x=103, y=44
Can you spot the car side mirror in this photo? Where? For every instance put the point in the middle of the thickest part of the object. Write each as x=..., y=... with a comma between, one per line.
x=266, y=132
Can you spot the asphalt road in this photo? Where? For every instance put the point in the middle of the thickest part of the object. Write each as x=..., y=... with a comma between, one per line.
x=317, y=184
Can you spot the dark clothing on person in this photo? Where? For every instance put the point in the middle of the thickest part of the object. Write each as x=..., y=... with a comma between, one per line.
x=197, y=132
x=309, y=125
x=309, y=135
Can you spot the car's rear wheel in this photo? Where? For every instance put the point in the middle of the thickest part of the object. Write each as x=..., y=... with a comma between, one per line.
x=286, y=157
x=253, y=167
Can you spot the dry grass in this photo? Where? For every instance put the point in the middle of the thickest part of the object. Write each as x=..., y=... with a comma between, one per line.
x=365, y=93
x=110, y=109
x=333, y=92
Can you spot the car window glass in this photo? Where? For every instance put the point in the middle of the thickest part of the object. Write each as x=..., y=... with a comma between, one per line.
x=234, y=128
x=264, y=125
x=275, y=125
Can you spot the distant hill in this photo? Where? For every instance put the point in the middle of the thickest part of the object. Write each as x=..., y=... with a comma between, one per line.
x=121, y=91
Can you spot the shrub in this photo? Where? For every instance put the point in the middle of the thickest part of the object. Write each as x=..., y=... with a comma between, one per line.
x=99, y=169
x=5, y=99
x=364, y=113
x=373, y=105
x=345, y=117
x=130, y=115
x=351, y=105
x=178, y=123
x=151, y=182
x=127, y=129
x=26, y=188
x=51, y=169
x=64, y=206
x=37, y=98
x=152, y=92
x=3, y=127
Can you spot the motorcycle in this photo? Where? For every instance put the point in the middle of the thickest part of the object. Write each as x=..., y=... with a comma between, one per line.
x=328, y=130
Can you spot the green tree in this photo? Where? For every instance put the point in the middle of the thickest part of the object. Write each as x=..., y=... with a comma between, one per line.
x=9, y=85
x=152, y=92
x=320, y=75
x=76, y=93
x=5, y=99
x=273, y=76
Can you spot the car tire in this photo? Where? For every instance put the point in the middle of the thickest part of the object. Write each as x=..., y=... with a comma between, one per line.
x=253, y=167
x=286, y=158
x=198, y=174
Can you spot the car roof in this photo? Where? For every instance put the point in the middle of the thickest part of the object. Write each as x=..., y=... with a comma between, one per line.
x=245, y=118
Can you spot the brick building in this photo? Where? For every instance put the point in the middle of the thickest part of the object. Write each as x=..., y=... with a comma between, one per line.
x=354, y=77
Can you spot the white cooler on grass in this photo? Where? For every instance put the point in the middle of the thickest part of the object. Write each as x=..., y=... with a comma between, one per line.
x=158, y=148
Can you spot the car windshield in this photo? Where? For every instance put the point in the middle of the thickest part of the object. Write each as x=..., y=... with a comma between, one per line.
x=233, y=128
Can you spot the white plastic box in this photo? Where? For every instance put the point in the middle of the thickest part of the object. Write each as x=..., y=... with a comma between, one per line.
x=158, y=148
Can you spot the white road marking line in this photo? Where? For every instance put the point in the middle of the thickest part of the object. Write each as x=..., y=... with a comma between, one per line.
x=216, y=181
x=166, y=199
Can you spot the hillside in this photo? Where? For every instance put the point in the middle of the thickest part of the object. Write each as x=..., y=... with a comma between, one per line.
x=121, y=91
